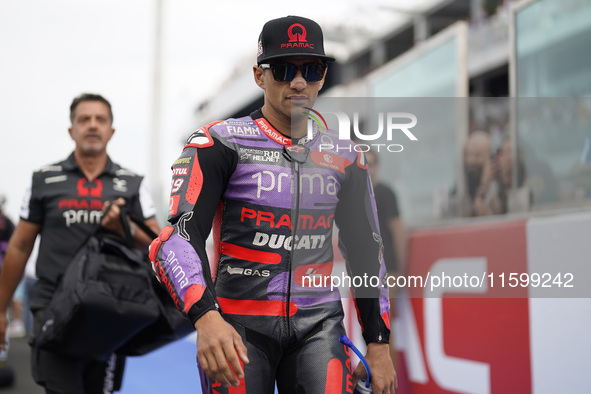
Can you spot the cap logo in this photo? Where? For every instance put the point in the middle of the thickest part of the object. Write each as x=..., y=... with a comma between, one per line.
x=297, y=40
x=297, y=36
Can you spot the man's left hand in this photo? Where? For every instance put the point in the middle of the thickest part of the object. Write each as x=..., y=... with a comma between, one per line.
x=383, y=375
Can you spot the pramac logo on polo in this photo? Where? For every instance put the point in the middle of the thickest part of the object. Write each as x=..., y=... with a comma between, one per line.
x=87, y=188
x=297, y=39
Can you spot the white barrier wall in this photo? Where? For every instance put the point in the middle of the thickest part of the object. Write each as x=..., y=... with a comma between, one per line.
x=560, y=328
x=496, y=338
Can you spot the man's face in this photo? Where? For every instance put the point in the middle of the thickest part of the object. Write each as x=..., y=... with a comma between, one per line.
x=475, y=155
x=287, y=99
x=91, y=127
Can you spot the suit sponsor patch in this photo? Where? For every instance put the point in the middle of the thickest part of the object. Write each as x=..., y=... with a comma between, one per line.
x=180, y=171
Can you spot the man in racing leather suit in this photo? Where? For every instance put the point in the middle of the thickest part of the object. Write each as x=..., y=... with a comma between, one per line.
x=273, y=197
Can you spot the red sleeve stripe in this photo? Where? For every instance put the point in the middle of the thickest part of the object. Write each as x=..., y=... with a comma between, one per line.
x=243, y=253
x=386, y=319
x=257, y=307
x=195, y=182
x=194, y=294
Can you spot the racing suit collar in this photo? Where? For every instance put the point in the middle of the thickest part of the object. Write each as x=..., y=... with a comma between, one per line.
x=275, y=134
x=268, y=128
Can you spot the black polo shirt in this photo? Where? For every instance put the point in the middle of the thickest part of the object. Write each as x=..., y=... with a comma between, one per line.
x=68, y=208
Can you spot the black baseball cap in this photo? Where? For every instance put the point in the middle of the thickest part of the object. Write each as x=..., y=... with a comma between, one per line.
x=291, y=36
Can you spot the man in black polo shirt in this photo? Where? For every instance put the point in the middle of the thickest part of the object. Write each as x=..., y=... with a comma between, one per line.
x=64, y=204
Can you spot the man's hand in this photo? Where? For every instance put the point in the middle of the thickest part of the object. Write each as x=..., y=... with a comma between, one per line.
x=383, y=375
x=220, y=349
x=112, y=220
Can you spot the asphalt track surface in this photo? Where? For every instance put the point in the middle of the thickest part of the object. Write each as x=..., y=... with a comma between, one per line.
x=171, y=369
x=19, y=357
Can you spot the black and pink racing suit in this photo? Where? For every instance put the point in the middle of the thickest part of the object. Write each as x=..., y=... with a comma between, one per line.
x=272, y=204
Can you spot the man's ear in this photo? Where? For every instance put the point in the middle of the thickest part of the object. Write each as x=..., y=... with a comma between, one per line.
x=258, y=76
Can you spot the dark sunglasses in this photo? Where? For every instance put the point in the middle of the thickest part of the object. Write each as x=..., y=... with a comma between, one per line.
x=286, y=72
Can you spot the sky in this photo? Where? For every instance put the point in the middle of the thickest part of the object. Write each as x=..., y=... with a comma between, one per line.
x=52, y=51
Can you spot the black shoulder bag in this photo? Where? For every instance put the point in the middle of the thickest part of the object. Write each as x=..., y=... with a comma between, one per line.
x=104, y=298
